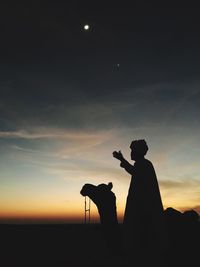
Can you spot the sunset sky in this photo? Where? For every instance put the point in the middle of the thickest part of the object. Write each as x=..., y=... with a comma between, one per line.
x=70, y=97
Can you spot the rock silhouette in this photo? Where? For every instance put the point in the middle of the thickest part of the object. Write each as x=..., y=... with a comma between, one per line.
x=183, y=236
x=191, y=216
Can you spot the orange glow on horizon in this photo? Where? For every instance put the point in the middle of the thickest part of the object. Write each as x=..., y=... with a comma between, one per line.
x=73, y=217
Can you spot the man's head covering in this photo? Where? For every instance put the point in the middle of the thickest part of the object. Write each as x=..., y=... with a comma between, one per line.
x=140, y=146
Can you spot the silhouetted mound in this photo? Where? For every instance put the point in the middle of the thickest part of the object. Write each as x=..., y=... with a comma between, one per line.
x=191, y=216
x=184, y=234
x=172, y=215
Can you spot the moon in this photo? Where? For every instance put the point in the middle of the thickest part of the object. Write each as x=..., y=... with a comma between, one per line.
x=86, y=27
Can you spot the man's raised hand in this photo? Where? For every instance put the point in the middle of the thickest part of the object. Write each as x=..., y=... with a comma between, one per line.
x=118, y=155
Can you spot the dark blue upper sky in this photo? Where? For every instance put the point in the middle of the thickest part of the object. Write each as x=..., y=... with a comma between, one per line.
x=48, y=60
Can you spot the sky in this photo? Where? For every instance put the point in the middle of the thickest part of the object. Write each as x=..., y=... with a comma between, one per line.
x=70, y=97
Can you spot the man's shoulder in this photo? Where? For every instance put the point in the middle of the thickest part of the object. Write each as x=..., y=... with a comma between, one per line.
x=144, y=167
x=146, y=163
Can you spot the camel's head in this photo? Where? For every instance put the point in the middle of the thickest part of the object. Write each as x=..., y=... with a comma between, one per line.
x=87, y=189
x=92, y=191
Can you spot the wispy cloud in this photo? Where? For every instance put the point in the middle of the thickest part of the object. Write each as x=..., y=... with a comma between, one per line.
x=180, y=184
x=53, y=133
x=56, y=143
x=167, y=184
x=69, y=164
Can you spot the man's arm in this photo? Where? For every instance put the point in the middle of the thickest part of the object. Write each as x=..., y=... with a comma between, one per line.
x=124, y=163
x=127, y=166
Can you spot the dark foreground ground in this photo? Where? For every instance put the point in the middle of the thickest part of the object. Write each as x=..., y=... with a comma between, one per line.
x=85, y=245
x=52, y=245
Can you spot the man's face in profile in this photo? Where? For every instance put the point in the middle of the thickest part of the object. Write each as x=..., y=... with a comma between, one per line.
x=136, y=153
x=138, y=149
x=133, y=154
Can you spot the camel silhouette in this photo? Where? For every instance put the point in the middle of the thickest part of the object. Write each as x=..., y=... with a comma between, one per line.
x=110, y=233
x=105, y=201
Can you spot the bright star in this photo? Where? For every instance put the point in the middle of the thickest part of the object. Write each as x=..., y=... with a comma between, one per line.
x=86, y=27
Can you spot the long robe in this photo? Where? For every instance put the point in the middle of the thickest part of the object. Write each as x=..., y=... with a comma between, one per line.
x=143, y=218
x=144, y=200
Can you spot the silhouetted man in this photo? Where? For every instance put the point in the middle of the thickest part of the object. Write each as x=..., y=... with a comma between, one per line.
x=143, y=223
